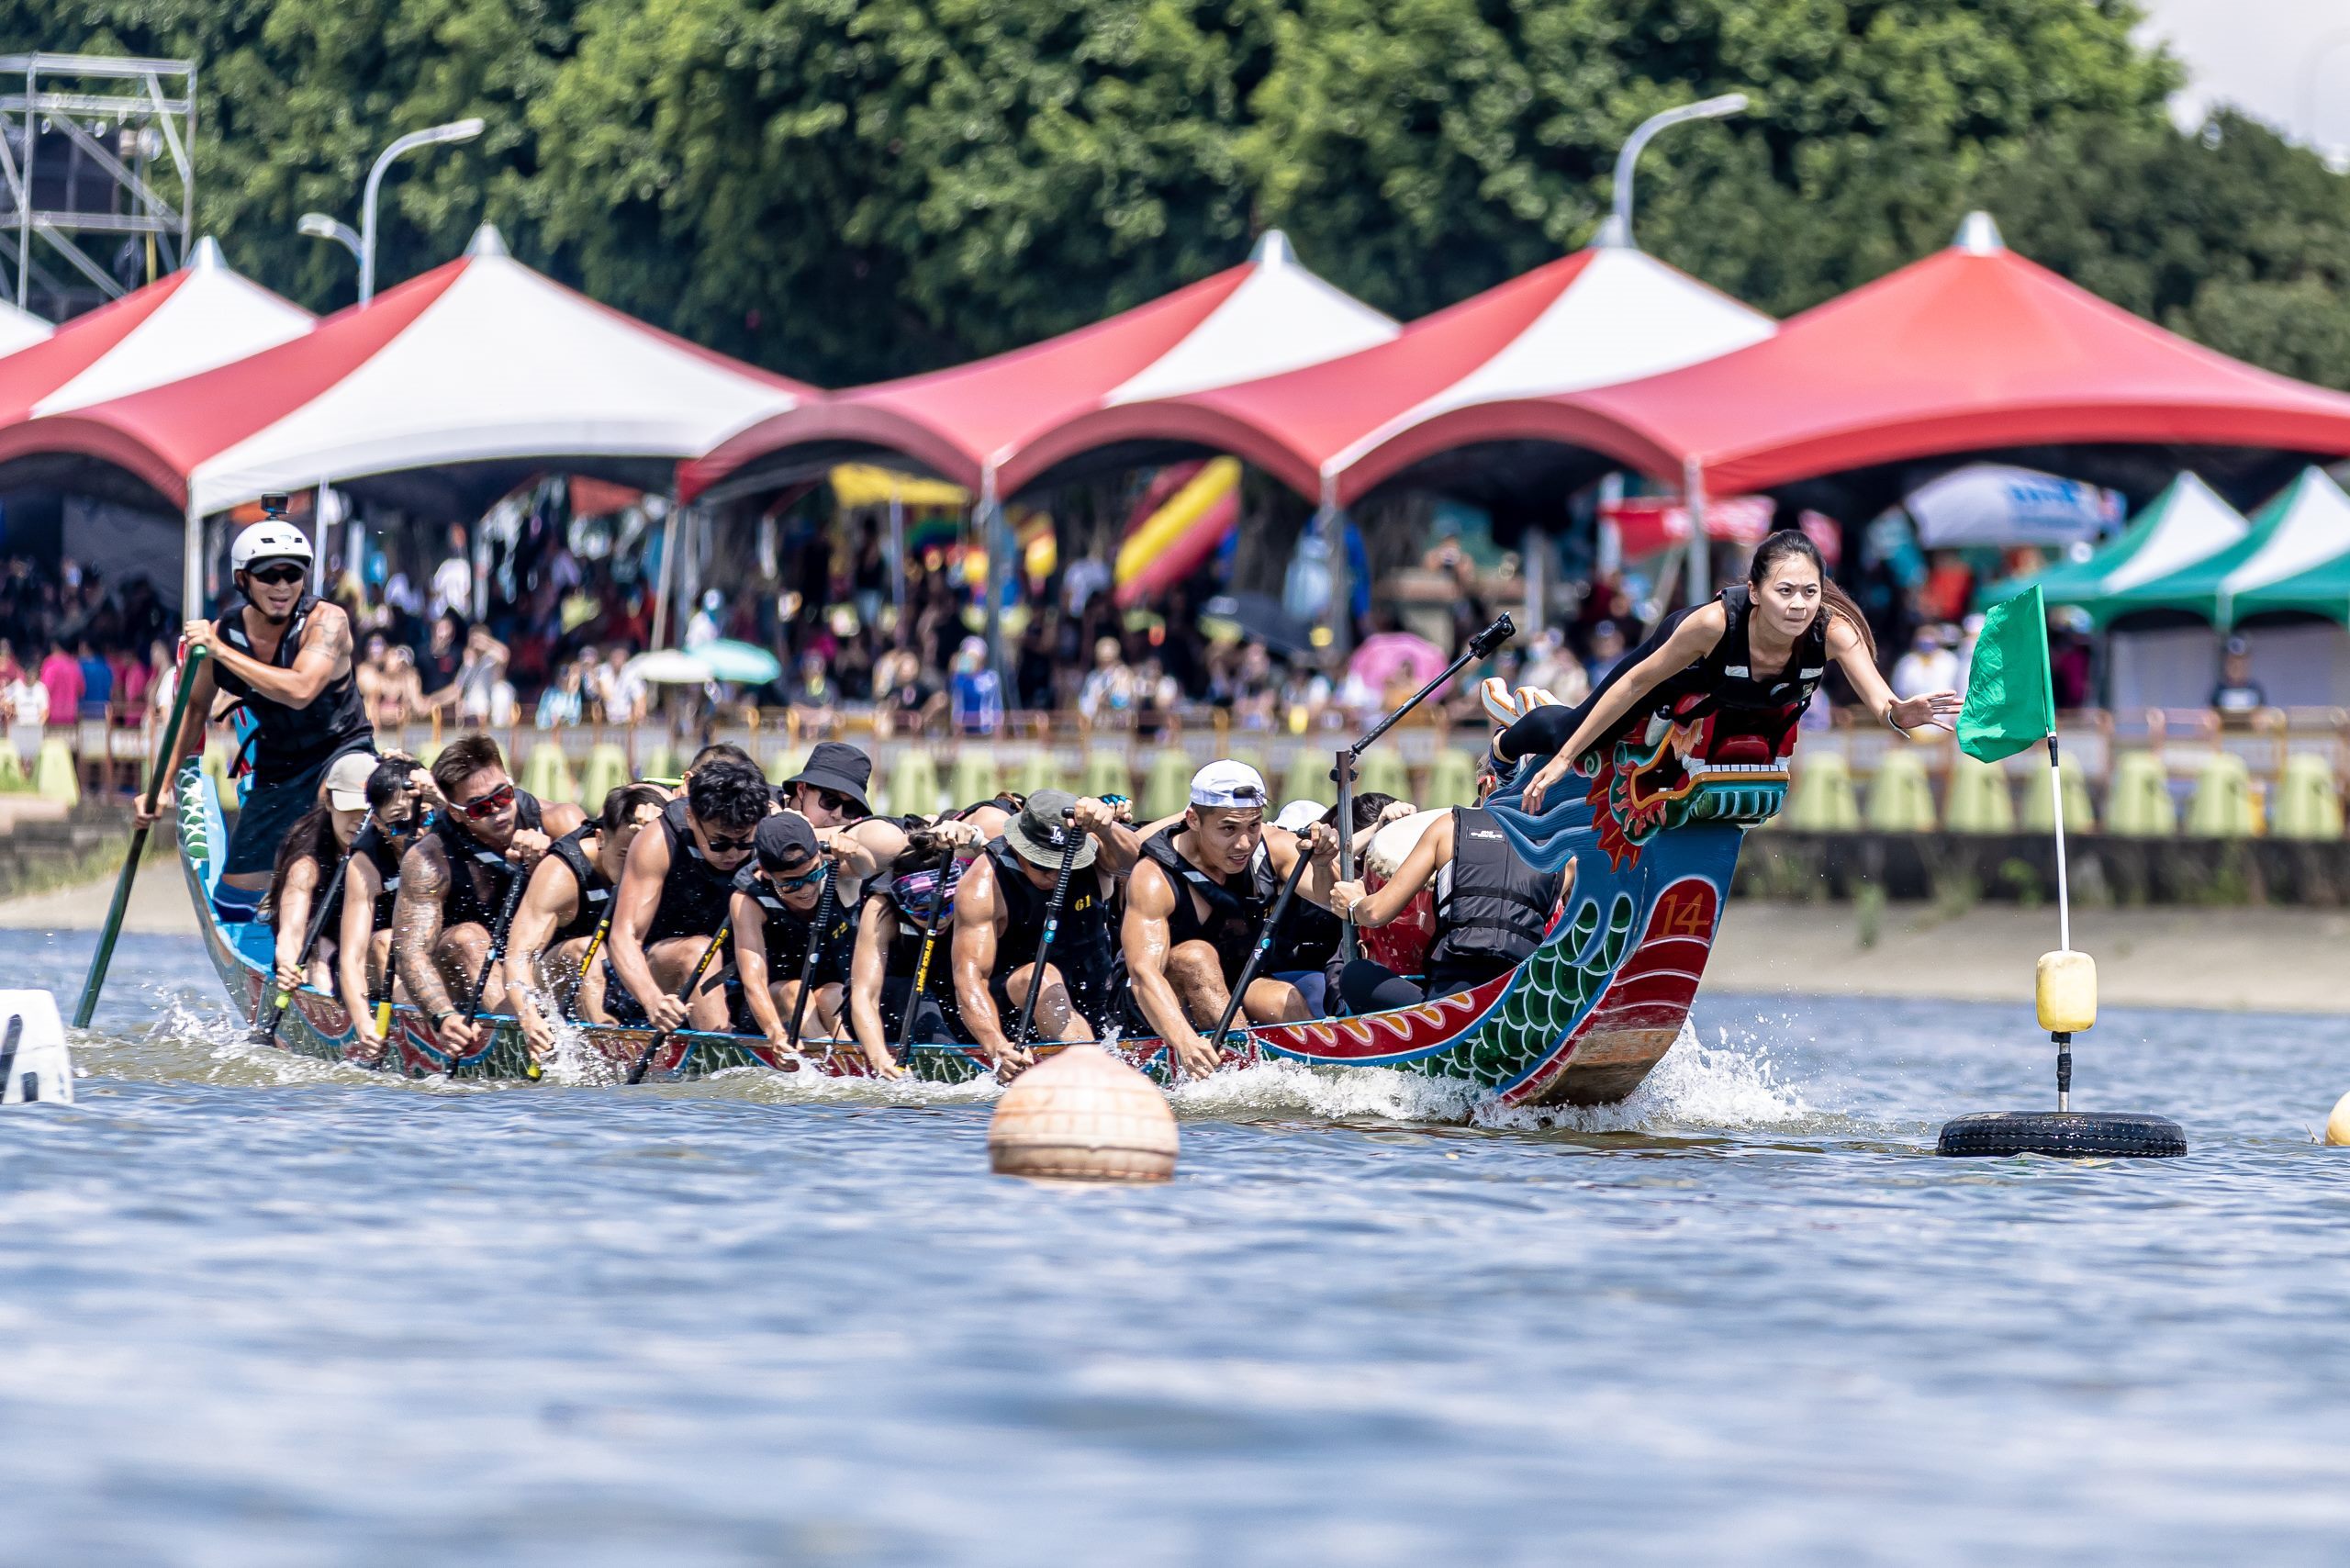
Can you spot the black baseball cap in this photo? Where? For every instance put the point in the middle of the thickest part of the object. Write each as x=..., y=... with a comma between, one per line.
x=785, y=842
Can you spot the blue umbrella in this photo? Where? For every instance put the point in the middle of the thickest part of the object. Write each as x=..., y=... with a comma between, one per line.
x=739, y=664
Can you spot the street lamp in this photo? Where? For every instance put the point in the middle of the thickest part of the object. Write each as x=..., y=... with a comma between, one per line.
x=456, y=130
x=1618, y=229
x=319, y=226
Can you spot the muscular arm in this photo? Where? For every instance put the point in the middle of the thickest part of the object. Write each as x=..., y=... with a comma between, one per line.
x=1145, y=939
x=869, y=967
x=751, y=962
x=561, y=820
x=1851, y=655
x=632, y=906
x=1432, y=850
x=1282, y=849
x=361, y=884
x=416, y=927
x=199, y=707
x=324, y=655
x=551, y=898
x=977, y=916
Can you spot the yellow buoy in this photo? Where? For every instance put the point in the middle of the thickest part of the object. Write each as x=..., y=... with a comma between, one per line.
x=1083, y=1115
x=2337, y=1125
x=2065, y=988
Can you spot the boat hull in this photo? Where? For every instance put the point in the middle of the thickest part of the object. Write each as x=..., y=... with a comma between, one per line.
x=1582, y=1021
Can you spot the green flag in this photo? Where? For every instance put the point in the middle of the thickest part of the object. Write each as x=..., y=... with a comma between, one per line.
x=2010, y=700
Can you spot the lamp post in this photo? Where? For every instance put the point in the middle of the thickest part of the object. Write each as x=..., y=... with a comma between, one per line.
x=319, y=226
x=456, y=130
x=1618, y=229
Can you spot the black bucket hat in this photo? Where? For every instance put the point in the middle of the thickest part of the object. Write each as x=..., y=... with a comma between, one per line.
x=840, y=767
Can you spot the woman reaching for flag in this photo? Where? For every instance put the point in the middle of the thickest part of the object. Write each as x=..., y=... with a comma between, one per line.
x=1753, y=656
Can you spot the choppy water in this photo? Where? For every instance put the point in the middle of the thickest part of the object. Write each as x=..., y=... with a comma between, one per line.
x=264, y=1311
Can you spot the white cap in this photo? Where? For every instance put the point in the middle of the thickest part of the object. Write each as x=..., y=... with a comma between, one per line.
x=1299, y=815
x=271, y=539
x=347, y=780
x=1229, y=784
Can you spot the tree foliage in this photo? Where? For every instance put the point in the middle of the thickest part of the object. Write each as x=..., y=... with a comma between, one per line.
x=850, y=189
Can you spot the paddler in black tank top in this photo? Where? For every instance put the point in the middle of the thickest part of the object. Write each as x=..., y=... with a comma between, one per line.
x=776, y=898
x=288, y=656
x=1194, y=905
x=674, y=895
x=454, y=881
x=401, y=798
x=1001, y=906
x=569, y=894
x=1751, y=657
x=918, y=894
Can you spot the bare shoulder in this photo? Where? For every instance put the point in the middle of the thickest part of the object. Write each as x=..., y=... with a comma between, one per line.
x=425, y=866
x=1842, y=636
x=1148, y=892
x=561, y=818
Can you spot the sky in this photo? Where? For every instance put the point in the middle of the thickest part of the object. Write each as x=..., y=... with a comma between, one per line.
x=2287, y=62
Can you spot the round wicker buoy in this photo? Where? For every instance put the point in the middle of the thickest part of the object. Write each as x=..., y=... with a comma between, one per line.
x=1083, y=1115
x=2337, y=1125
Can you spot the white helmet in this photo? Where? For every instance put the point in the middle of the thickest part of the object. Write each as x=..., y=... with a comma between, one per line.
x=271, y=539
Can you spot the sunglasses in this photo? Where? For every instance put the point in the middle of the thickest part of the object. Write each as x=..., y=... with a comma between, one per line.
x=278, y=577
x=726, y=845
x=487, y=805
x=838, y=804
x=793, y=884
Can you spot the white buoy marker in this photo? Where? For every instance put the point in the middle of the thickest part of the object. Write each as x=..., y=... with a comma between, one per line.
x=35, y=1065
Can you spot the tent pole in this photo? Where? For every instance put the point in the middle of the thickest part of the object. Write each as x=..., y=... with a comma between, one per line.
x=661, y=588
x=1340, y=610
x=191, y=568
x=992, y=535
x=898, y=555
x=1692, y=489
x=1537, y=579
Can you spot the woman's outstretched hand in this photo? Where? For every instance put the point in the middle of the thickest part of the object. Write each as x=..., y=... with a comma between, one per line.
x=1539, y=786
x=1939, y=709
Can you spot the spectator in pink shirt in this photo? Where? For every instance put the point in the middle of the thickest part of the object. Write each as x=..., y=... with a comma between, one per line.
x=61, y=674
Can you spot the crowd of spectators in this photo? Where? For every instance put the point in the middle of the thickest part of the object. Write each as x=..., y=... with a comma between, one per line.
x=74, y=646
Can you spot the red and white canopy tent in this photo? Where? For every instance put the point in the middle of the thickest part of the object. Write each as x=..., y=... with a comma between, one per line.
x=974, y=424
x=1335, y=431
x=200, y=317
x=452, y=387
x=1973, y=352
x=20, y=329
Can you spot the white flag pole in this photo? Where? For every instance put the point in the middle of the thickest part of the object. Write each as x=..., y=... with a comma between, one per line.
x=2063, y=896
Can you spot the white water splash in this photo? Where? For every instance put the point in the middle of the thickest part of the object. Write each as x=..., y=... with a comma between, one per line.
x=1695, y=1086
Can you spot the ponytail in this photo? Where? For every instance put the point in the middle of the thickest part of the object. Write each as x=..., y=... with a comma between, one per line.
x=1833, y=600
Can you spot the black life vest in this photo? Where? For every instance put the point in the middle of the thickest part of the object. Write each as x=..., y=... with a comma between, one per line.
x=594, y=896
x=787, y=930
x=908, y=896
x=386, y=861
x=1234, y=910
x=1081, y=946
x=479, y=875
x=1723, y=684
x=694, y=894
x=287, y=740
x=1491, y=906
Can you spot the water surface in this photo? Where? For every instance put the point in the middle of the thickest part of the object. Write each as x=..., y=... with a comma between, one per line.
x=262, y=1311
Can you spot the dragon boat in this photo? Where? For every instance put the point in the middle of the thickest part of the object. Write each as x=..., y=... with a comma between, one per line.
x=1653, y=833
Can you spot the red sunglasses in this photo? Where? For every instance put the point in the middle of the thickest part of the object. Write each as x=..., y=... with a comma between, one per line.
x=487, y=805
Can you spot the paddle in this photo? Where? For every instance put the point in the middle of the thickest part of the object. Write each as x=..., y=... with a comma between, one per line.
x=1479, y=647
x=113, y=929
x=1052, y=929
x=693, y=983
x=1264, y=944
x=317, y=928
x=826, y=901
x=497, y=951
x=921, y=960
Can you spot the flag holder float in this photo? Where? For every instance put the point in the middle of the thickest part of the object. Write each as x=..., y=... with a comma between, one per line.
x=2011, y=706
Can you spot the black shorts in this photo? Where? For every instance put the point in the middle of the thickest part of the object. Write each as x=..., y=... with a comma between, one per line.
x=270, y=811
x=934, y=1025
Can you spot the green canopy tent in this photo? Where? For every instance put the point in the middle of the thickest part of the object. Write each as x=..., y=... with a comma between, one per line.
x=2304, y=526
x=2313, y=576
x=2185, y=526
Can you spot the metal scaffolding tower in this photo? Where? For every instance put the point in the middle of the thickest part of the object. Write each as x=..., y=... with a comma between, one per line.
x=94, y=146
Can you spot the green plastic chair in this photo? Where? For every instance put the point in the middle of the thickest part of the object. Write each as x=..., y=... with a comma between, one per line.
x=1035, y=770
x=1166, y=783
x=2139, y=805
x=54, y=775
x=605, y=771
x=1979, y=800
x=1820, y=797
x=1309, y=776
x=1452, y=780
x=2307, y=806
x=14, y=781
x=662, y=762
x=971, y=776
x=1108, y=772
x=2038, y=812
x=2221, y=806
x=913, y=784
x=1384, y=773
x=1901, y=799
x=547, y=774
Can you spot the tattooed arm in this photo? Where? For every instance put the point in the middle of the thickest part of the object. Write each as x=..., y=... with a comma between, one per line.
x=325, y=655
x=416, y=927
